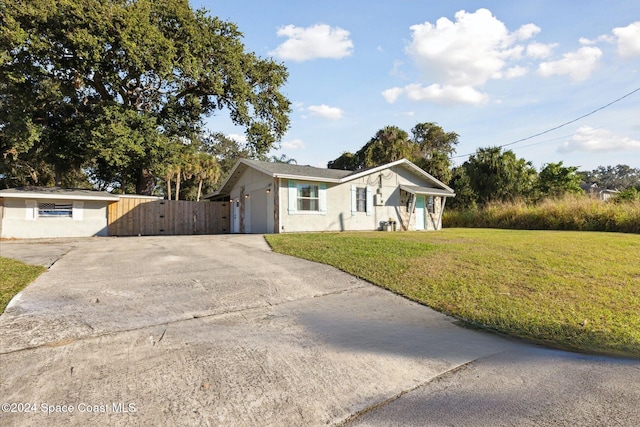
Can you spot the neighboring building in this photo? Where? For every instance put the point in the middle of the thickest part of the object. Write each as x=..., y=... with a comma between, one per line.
x=596, y=192
x=34, y=212
x=279, y=197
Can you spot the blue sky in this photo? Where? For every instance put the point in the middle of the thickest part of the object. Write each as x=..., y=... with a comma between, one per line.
x=494, y=72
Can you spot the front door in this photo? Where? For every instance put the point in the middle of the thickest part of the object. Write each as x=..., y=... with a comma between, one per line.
x=420, y=208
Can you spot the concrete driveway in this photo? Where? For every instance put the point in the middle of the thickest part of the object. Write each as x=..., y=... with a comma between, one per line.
x=219, y=330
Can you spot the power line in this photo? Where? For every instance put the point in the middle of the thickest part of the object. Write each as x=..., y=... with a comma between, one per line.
x=559, y=126
x=578, y=132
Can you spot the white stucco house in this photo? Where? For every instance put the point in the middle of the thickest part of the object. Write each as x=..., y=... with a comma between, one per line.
x=36, y=212
x=278, y=197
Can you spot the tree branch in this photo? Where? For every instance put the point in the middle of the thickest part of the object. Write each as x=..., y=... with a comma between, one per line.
x=98, y=85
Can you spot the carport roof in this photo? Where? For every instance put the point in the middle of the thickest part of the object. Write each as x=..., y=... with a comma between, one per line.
x=57, y=193
x=429, y=191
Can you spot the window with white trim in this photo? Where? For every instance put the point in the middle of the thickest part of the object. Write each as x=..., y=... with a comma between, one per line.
x=55, y=210
x=361, y=199
x=308, y=197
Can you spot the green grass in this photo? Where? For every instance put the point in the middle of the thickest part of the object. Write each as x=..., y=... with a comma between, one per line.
x=572, y=290
x=15, y=276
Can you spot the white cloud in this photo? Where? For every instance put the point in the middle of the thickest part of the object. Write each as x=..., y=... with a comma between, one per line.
x=457, y=57
x=598, y=140
x=467, y=52
x=294, y=144
x=540, y=50
x=391, y=95
x=317, y=41
x=578, y=65
x=628, y=39
x=325, y=111
x=527, y=31
x=240, y=138
x=516, y=71
x=445, y=94
x=603, y=38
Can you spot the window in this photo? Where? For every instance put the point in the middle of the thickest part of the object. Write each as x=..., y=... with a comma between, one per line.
x=55, y=210
x=308, y=197
x=361, y=199
x=430, y=205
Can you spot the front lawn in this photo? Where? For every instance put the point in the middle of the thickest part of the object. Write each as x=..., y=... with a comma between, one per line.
x=15, y=276
x=573, y=290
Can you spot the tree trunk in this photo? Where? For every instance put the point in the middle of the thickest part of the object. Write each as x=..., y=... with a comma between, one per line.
x=58, y=176
x=168, y=187
x=146, y=183
x=199, y=190
x=178, y=185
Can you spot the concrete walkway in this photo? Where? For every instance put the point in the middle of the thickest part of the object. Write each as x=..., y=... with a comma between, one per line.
x=219, y=330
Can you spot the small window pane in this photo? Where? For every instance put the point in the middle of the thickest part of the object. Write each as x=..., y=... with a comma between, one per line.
x=305, y=190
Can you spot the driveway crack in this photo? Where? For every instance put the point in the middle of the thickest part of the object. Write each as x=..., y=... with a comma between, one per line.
x=240, y=310
x=456, y=368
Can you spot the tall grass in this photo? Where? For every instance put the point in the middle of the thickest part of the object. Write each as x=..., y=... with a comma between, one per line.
x=577, y=213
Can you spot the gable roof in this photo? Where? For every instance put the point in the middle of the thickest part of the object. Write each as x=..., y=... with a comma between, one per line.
x=57, y=193
x=311, y=173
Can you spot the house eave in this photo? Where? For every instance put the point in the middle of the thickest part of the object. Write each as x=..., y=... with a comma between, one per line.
x=427, y=191
x=307, y=178
x=8, y=194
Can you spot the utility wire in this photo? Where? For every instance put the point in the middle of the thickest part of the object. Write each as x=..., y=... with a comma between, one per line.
x=559, y=126
x=578, y=132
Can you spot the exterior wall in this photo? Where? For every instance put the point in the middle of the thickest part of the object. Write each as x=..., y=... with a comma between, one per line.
x=256, y=206
x=339, y=217
x=92, y=221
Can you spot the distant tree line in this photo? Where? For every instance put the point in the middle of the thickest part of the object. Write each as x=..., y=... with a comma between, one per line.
x=490, y=174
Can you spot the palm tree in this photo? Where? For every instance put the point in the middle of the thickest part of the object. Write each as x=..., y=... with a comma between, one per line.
x=284, y=159
x=206, y=168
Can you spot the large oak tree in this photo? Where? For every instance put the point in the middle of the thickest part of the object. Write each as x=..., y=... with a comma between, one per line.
x=107, y=87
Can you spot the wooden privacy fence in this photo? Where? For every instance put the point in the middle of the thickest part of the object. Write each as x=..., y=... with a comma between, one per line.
x=133, y=216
